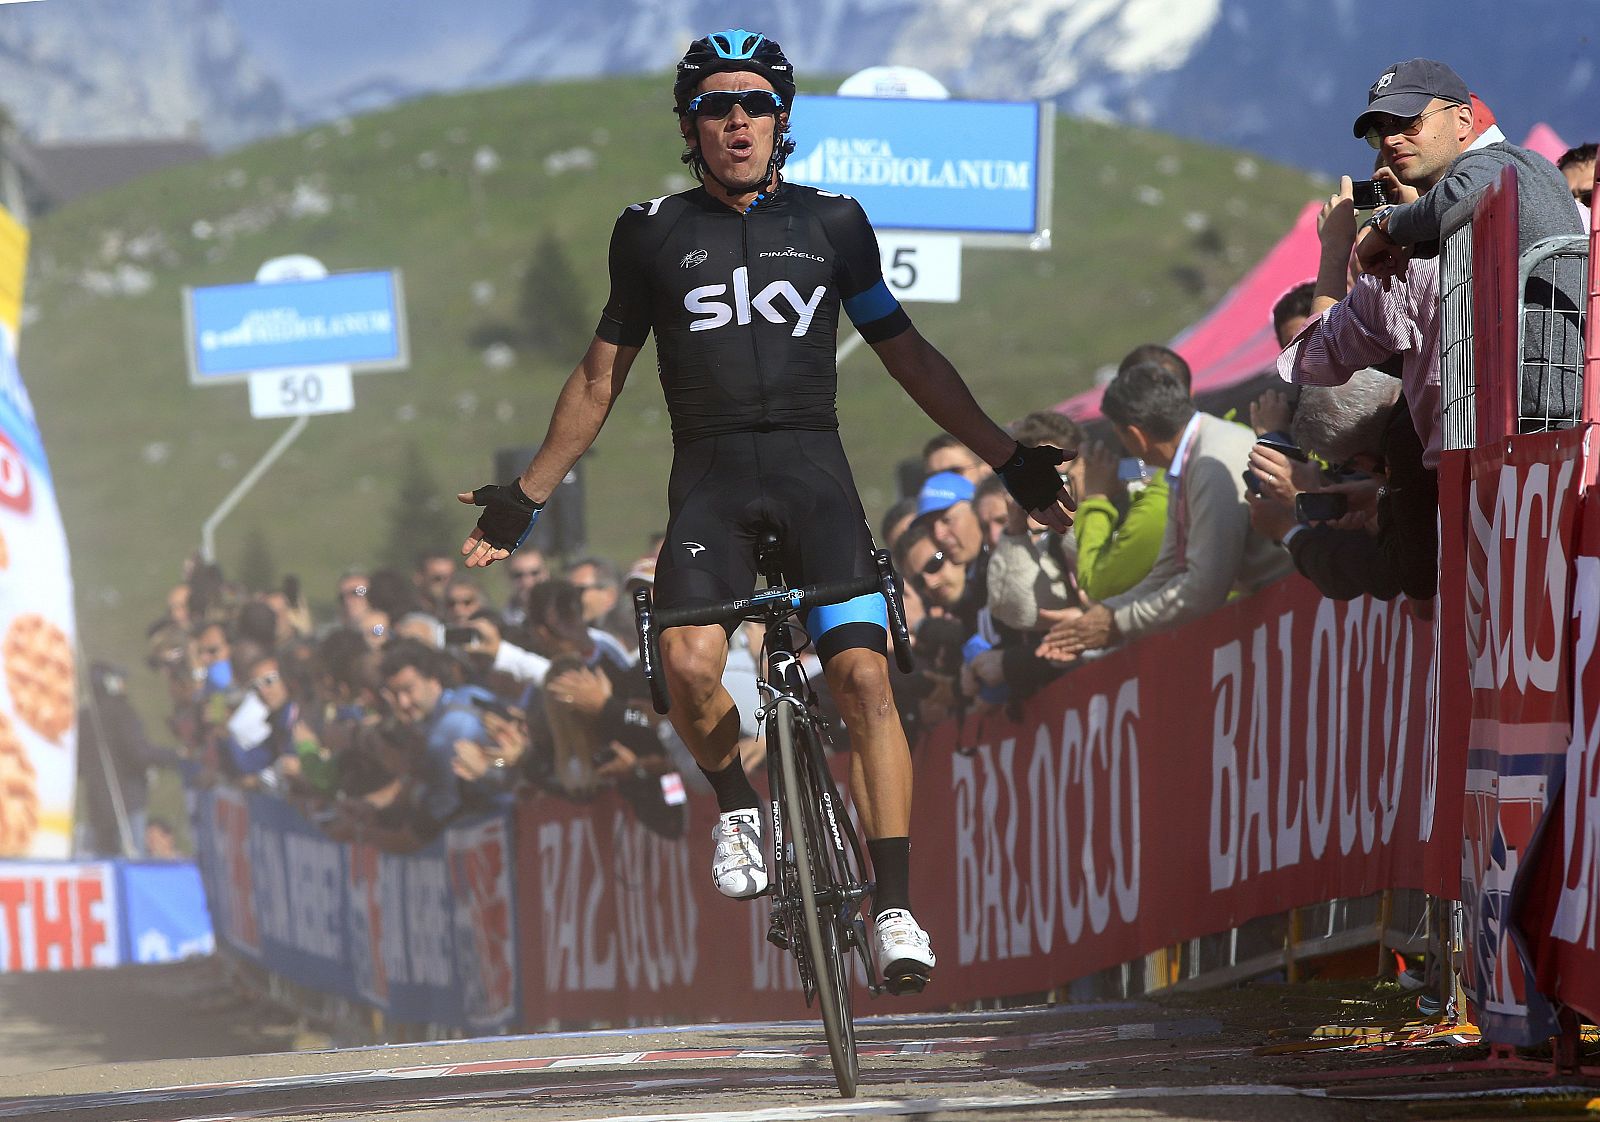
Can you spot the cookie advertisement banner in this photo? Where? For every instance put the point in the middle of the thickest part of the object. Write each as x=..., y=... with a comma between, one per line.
x=38, y=706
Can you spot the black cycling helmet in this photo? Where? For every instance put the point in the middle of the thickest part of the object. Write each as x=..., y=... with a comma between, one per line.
x=734, y=49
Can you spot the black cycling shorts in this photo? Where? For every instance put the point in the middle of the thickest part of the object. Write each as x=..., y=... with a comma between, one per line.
x=726, y=490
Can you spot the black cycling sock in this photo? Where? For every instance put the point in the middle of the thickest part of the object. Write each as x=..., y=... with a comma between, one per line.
x=733, y=788
x=891, y=865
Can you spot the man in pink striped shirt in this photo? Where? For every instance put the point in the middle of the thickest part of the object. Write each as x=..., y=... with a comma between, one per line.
x=1358, y=325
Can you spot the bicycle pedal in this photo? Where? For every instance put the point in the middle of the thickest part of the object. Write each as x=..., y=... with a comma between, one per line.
x=777, y=937
x=909, y=983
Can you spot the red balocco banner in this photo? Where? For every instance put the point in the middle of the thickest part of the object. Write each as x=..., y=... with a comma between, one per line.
x=1521, y=509
x=1558, y=915
x=57, y=915
x=1275, y=754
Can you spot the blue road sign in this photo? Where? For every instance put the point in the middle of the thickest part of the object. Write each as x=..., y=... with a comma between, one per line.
x=349, y=319
x=973, y=167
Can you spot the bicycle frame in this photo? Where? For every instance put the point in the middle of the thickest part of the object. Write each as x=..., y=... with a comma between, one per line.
x=788, y=695
x=817, y=887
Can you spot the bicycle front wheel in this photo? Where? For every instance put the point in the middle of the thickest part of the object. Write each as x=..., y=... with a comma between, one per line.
x=823, y=945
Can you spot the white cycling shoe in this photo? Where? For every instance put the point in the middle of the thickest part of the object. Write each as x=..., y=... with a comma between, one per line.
x=905, y=958
x=738, y=866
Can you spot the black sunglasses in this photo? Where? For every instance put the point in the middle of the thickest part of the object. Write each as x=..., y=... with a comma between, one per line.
x=717, y=104
x=933, y=564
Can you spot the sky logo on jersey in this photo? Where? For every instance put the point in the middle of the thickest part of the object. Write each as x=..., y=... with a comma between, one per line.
x=714, y=313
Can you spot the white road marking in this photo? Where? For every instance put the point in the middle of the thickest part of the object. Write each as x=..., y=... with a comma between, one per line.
x=888, y=1108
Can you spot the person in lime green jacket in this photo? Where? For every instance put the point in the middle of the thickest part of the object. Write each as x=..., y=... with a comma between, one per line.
x=1115, y=554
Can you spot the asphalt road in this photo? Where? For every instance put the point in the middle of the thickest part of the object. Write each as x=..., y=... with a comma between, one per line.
x=176, y=1043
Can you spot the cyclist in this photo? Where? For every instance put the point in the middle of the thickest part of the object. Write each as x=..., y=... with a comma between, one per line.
x=742, y=280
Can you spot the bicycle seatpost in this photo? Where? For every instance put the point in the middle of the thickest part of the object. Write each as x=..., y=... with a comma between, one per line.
x=769, y=558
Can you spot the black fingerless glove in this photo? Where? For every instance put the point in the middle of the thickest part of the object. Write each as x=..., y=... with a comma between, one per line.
x=508, y=515
x=1031, y=477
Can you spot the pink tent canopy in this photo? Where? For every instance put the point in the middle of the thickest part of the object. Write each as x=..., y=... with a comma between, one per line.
x=1235, y=340
x=1544, y=140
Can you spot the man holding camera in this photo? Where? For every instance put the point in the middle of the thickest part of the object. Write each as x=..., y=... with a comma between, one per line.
x=1419, y=117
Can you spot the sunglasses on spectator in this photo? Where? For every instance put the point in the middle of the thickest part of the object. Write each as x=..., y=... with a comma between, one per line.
x=1384, y=125
x=934, y=564
x=717, y=104
x=354, y=590
x=527, y=574
x=270, y=678
x=463, y=601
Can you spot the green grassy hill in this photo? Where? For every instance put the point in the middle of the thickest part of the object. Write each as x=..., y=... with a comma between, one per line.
x=1149, y=231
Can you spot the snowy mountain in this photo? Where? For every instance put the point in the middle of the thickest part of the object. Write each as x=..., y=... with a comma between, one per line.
x=133, y=69
x=1281, y=77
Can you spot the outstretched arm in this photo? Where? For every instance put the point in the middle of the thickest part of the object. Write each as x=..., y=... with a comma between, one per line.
x=581, y=409
x=938, y=389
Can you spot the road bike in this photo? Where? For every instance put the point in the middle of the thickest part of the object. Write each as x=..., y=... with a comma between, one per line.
x=818, y=878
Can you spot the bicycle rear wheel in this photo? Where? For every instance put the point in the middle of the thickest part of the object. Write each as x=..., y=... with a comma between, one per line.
x=823, y=947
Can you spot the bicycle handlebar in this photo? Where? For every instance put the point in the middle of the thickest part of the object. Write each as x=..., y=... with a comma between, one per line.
x=769, y=605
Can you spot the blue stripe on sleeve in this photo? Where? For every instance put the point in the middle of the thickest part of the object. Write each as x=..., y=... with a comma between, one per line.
x=872, y=305
x=863, y=609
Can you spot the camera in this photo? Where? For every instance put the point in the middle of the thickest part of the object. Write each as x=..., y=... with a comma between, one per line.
x=461, y=637
x=1320, y=506
x=1278, y=442
x=1368, y=194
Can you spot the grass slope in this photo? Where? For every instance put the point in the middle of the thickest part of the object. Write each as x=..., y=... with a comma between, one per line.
x=1149, y=231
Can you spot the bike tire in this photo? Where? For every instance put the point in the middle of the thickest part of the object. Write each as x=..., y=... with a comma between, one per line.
x=839, y=867
x=821, y=933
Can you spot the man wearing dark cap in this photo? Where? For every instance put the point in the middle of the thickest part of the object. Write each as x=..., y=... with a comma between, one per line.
x=1419, y=116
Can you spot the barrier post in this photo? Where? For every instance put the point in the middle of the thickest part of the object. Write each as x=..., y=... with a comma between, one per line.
x=1591, y=360
x=1291, y=947
x=1385, y=911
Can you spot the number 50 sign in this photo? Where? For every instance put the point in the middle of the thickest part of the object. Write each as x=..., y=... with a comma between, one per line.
x=292, y=392
x=921, y=266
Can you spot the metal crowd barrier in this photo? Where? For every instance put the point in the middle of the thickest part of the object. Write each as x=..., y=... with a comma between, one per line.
x=1557, y=372
x=1539, y=391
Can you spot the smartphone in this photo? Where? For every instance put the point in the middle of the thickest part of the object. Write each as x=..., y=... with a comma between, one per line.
x=1320, y=506
x=1279, y=443
x=461, y=637
x=498, y=708
x=1131, y=469
x=1368, y=194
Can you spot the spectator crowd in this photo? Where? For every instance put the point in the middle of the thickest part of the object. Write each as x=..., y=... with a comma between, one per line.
x=430, y=694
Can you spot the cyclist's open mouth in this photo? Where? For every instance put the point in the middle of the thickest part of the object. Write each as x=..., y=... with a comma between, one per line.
x=741, y=148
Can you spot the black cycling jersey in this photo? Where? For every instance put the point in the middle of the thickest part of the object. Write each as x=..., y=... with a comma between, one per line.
x=745, y=307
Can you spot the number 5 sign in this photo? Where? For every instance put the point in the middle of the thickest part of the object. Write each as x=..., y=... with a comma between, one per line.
x=921, y=266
